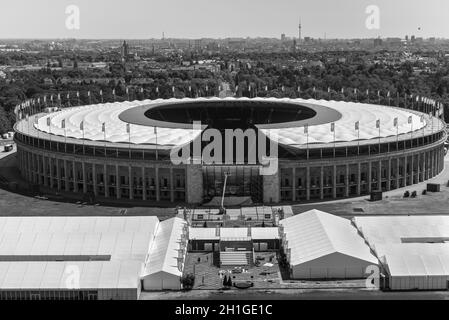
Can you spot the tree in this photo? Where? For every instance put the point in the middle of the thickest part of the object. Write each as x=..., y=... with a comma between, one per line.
x=188, y=281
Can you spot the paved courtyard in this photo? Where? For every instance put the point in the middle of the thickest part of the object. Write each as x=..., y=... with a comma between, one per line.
x=266, y=275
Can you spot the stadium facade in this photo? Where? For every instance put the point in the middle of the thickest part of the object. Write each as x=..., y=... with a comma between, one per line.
x=326, y=150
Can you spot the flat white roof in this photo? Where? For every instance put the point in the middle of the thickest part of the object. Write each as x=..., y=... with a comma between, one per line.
x=314, y=234
x=123, y=238
x=35, y=275
x=27, y=244
x=409, y=245
x=257, y=233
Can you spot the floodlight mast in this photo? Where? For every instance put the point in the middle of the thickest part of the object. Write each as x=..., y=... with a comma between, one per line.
x=226, y=174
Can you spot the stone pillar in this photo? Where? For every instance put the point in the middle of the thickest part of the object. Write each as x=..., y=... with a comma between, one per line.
x=334, y=182
x=58, y=174
x=75, y=183
x=105, y=181
x=117, y=181
x=389, y=175
x=144, y=185
x=379, y=176
x=38, y=169
x=406, y=173
x=397, y=173
x=418, y=171
x=370, y=176
x=50, y=168
x=194, y=185
x=359, y=178
x=131, y=183
x=347, y=181
x=321, y=183
x=307, y=183
x=84, y=177
x=94, y=179
x=44, y=170
x=30, y=167
x=293, y=184
x=158, y=191
x=172, y=187
x=412, y=171
x=66, y=176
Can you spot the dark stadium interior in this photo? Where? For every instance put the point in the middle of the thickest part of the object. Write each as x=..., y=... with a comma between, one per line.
x=231, y=114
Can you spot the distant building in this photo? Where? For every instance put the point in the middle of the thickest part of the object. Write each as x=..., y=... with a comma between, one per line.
x=377, y=42
x=283, y=37
x=124, y=51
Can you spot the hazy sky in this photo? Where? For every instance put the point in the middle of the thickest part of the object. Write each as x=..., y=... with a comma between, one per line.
x=142, y=19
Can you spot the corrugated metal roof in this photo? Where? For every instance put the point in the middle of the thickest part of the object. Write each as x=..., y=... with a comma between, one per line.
x=314, y=234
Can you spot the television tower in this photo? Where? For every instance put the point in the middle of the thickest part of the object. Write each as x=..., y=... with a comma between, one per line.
x=299, y=31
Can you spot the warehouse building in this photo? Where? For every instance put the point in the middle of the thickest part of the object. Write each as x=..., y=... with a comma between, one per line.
x=319, y=245
x=413, y=250
x=82, y=258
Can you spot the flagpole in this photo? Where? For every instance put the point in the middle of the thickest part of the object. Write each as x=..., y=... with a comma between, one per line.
x=157, y=155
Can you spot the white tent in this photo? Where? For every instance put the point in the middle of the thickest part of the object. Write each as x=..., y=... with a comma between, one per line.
x=165, y=263
x=413, y=249
x=323, y=246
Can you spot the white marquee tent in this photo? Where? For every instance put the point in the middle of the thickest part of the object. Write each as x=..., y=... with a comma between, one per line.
x=167, y=255
x=323, y=246
x=414, y=250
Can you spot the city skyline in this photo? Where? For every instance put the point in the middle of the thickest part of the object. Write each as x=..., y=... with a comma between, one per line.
x=265, y=19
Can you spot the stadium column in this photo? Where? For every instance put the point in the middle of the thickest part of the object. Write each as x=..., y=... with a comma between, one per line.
x=105, y=181
x=58, y=174
x=370, y=176
x=94, y=179
x=434, y=163
x=379, y=176
x=389, y=175
x=130, y=184
x=144, y=185
x=156, y=171
x=412, y=171
x=38, y=168
x=172, y=189
x=293, y=184
x=83, y=164
x=117, y=181
x=44, y=170
x=406, y=173
x=75, y=183
x=66, y=176
x=347, y=180
x=418, y=173
x=321, y=182
x=307, y=183
x=359, y=172
x=50, y=162
x=397, y=173
x=334, y=182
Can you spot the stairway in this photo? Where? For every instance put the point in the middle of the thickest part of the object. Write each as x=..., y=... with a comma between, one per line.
x=235, y=258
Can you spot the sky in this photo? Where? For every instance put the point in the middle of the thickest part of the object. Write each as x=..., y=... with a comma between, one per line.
x=144, y=19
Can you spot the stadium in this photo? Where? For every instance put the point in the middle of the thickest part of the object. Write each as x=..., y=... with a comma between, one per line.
x=121, y=151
